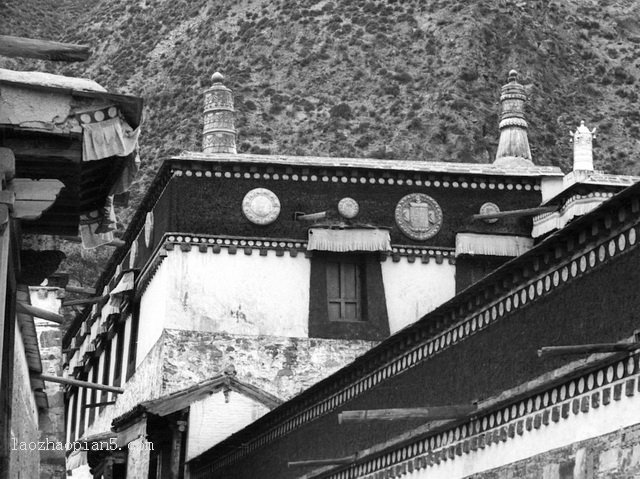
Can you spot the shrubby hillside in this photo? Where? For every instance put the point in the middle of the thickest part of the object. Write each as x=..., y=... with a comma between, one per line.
x=386, y=79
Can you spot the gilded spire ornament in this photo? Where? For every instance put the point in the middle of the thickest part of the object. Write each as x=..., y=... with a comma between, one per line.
x=219, y=133
x=513, y=147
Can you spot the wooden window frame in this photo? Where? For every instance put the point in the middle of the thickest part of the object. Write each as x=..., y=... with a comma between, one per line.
x=374, y=320
x=360, y=287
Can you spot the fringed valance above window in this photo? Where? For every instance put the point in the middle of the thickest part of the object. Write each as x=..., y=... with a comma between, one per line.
x=114, y=305
x=492, y=245
x=346, y=240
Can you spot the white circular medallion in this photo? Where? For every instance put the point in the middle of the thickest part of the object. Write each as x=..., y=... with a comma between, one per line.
x=261, y=206
x=348, y=208
x=487, y=209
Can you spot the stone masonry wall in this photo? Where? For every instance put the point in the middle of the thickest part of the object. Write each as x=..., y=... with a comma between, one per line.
x=615, y=455
x=24, y=460
x=278, y=365
x=52, y=420
x=145, y=384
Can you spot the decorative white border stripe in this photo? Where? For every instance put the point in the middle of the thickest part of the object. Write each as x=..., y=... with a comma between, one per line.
x=607, y=387
x=339, y=175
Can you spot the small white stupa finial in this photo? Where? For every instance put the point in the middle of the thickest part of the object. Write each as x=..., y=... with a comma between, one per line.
x=583, y=148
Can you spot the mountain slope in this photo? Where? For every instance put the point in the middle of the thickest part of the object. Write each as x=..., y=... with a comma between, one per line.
x=375, y=78
x=385, y=79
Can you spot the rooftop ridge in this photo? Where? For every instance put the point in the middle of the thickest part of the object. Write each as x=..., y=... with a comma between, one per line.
x=372, y=163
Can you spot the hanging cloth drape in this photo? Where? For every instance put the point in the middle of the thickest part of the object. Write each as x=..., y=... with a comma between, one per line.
x=349, y=239
x=492, y=245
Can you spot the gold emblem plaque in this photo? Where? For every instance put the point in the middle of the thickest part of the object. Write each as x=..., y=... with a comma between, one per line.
x=418, y=216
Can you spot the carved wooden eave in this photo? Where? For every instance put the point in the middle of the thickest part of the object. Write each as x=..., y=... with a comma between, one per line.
x=40, y=123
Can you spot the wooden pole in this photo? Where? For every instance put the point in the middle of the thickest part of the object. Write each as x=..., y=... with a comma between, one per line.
x=98, y=404
x=587, y=349
x=80, y=302
x=514, y=213
x=25, y=308
x=399, y=414
x=5, y=239
x=77, y=289
x=80, y=384
x=323, y=462
x=42, y=49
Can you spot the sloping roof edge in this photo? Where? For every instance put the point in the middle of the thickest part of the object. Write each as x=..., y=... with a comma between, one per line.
x=178, y=400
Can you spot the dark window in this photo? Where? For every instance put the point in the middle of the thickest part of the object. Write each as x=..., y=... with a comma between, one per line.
x=346, y=297
x=105, y=373
x=345, y=286
x=83, y=409
x=94, y=393
x=566, y=470
x=74, y=415
x=133, y=342
x=117, y=374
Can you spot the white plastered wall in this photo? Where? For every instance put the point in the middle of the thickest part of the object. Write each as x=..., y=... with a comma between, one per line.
x=153, y=306
x=217, y=417
x=232, y=293
x=413, y=289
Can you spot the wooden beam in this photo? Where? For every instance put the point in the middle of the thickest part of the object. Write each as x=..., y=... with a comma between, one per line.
x=323, y=462
x=33, y=197
x=547, y=351
x=99, y=404
x=515, y=213
x=400, y=414
x=5, y=309
x=80, y=290
x=7, y=164
x=48, y=149
x=116, y=243
x=80, y=302
x=299, y=216
x=80, y=384
x=39, y=313
x=20, y=47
